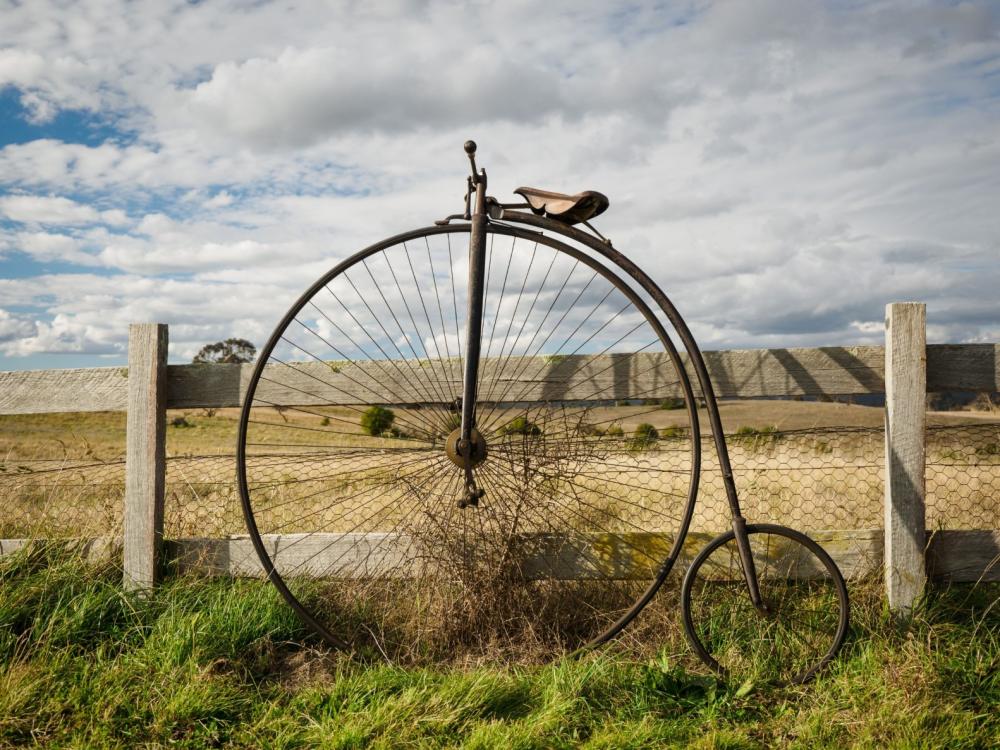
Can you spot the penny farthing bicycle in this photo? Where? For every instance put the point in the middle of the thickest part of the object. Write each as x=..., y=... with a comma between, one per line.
x=482, y=437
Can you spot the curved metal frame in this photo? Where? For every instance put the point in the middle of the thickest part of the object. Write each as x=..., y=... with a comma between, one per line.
x=616, y=259
x=684, y=333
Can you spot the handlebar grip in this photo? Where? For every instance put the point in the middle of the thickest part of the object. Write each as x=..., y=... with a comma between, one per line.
x=470, y=149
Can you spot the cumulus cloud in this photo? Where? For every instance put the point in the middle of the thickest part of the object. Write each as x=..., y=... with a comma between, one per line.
x=784, y=170
x=15, y=327
x=39, y=209
x=46, y=246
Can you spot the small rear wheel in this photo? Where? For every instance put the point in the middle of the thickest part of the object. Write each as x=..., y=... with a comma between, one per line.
x=801, y=624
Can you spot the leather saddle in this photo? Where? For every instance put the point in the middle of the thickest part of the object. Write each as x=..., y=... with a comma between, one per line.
x=571, y=209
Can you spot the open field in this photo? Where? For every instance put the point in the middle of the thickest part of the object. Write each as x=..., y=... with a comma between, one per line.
x=822, y=470
x=101, y=435
x=62, y=474
x=225, y=663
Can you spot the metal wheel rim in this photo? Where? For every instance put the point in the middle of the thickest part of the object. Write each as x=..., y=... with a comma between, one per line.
x=835, y=575
x=603, y=268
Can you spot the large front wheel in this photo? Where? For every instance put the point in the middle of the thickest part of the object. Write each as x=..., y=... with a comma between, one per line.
x=586, y=449
x=800, y=625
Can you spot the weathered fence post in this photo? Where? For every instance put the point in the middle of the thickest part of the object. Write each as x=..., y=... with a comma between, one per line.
x=905, y=392
x=145, y=452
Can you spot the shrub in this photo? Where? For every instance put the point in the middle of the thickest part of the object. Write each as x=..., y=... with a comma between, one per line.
x=180, y=422
x=757, y=437
x=325, y=421
x=765, y=431
x=377, y=420
x=644, y=436
x=989, y=449
x=615, y=430
x=672, y=403
x=521, y=426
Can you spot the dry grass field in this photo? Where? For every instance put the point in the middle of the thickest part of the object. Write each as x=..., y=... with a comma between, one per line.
x=812, y=465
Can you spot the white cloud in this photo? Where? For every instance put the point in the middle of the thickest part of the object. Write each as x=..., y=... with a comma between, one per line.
x=38, y=209
x=15, y=327
x=784, y=170
x=45, y=246
x=219, y=200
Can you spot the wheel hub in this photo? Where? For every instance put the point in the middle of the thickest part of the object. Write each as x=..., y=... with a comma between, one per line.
x=477, y=445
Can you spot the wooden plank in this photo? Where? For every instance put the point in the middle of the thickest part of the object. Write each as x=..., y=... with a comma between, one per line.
x=827, y=370
x=752, y=373
x=332, y=555
x=206, y=386
x=964, y=556
x=906, y=389
x=145, y=457
x=963, y=367
x=745, y=374
x=630, y=556
x=956, y=556
x=42, y=391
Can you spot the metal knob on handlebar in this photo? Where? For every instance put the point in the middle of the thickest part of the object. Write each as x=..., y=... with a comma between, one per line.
x=470, y=149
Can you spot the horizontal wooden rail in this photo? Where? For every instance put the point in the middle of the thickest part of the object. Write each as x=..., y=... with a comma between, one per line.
x=957, y=556
x=748, y=373
x=626, y=556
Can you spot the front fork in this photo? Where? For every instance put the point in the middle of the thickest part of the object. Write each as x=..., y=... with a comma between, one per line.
x=747, y=563
x=474, y=325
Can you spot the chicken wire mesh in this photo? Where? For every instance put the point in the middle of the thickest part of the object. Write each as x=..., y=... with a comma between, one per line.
x=963, y=476
x=61, y=498
x=813, y=480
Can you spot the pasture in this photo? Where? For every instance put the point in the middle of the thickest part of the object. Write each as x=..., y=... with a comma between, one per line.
x=221, y=661
x=224, y=663
x=821, y=467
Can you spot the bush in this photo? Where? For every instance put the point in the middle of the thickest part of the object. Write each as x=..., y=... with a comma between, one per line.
x=756, y=437
x=645, y=435
x=180, y=422
x=750, y=432
x=672, y=403
x=521, y=426
x=615, y=430
x=989, y=449
x=325, y=421
x=377, y=420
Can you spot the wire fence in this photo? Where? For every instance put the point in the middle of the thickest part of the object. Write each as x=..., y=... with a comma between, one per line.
x=817, y=479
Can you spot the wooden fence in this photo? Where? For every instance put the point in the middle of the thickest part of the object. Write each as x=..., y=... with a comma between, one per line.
x=905, y=369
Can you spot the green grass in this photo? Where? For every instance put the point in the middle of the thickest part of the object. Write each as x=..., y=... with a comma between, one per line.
x=210, y=663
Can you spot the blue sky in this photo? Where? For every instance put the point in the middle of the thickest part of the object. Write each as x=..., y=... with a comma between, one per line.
x=783, y=170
